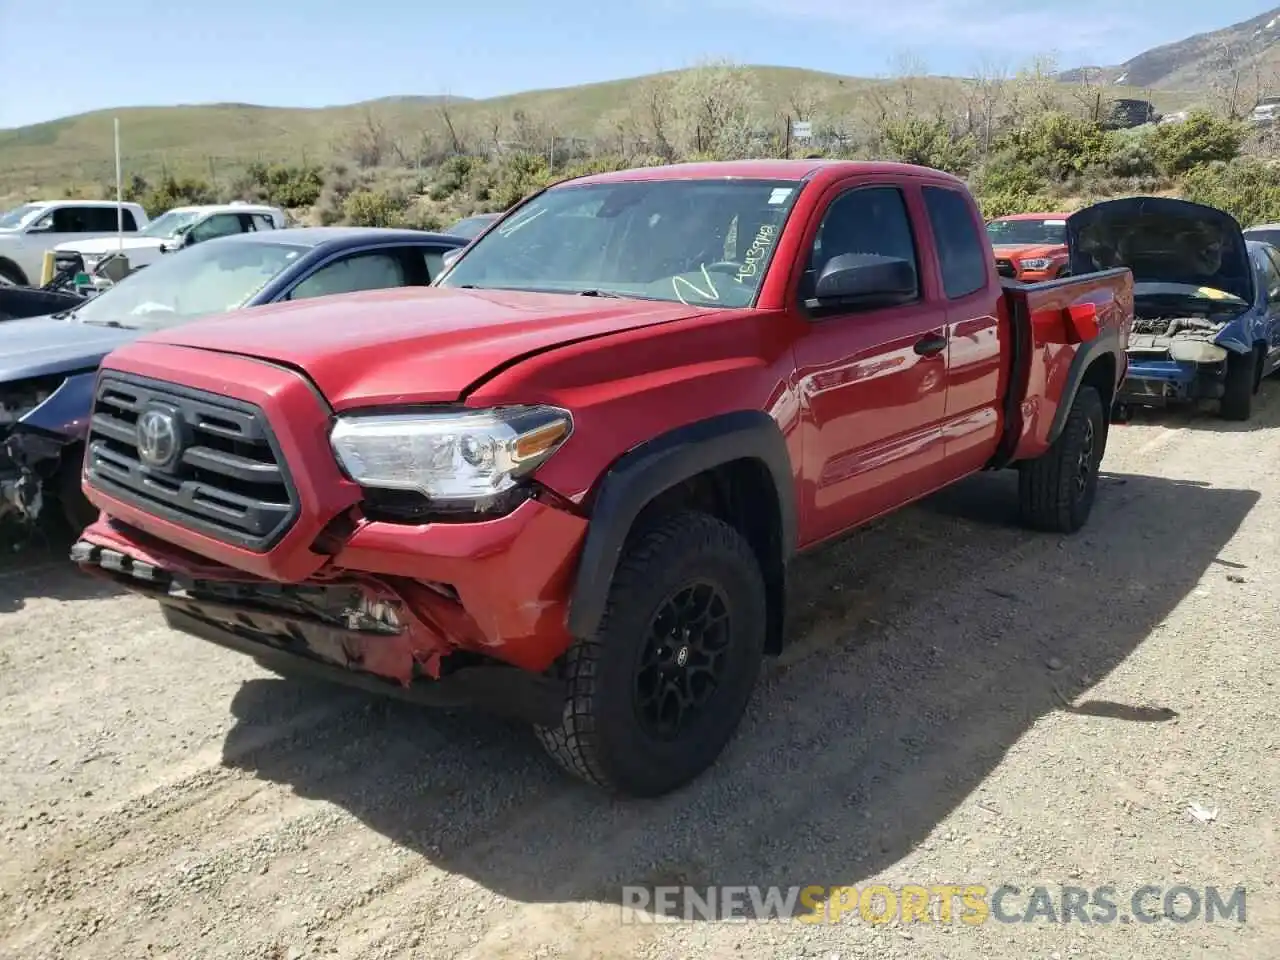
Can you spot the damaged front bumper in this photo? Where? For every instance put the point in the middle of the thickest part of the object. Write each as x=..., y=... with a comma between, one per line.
x=1157, y=382
x=481, y=623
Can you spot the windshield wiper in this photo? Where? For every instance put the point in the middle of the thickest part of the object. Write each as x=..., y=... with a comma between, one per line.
x=111, y=323
x=612, y=294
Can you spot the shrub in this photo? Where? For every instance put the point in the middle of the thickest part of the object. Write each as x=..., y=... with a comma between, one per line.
x=170, y=192
x=929, y=143
x=374, y=208
x=1057, y=145
x=285, y=186
x=1201, y=138
x=1248, y=189
x=520, y=176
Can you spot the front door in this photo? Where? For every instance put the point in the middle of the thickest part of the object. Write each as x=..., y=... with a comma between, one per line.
x=872, y=382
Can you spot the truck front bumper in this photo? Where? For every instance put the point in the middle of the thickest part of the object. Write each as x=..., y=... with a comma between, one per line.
x=455, y=624
x=1156, y=383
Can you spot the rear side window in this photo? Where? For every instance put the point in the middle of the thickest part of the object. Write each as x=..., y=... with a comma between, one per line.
x=962, y=251
x=365, y=271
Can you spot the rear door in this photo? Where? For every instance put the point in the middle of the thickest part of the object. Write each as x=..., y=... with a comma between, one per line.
x=976, y=343
x=872, y=381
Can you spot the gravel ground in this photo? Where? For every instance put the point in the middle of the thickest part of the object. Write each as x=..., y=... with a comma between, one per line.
x=964, y=703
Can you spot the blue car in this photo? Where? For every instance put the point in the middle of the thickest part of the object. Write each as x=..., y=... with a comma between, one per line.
x=1206, y=300
x=48, y=364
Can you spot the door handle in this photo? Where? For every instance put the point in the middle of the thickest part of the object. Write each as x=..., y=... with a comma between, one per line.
x=934, y=343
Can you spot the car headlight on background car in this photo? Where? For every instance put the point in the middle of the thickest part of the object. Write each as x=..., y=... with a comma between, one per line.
x=453, y=457
x=1196, y=351
x=1037, y=263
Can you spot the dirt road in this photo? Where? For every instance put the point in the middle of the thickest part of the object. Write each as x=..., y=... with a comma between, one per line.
x=965, y=703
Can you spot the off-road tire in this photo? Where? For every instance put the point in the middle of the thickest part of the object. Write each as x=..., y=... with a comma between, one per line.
x=1237, y=396
x=601, y=737
x=1050, y=495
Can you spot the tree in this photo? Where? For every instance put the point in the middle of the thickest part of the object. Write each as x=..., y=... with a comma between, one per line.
x=714, y=104
x=986, y=91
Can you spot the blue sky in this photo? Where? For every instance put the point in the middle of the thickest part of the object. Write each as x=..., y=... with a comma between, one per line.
x=80, y=56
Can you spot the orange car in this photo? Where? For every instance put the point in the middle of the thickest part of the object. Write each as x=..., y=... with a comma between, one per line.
x=1030, y=246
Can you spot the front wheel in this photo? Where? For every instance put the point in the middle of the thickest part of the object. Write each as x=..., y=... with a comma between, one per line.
x=659, y=690
x=1057, y=489
x=77, y=511
x=1237, y=393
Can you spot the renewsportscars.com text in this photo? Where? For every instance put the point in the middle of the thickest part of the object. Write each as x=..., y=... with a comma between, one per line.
x=971, y=904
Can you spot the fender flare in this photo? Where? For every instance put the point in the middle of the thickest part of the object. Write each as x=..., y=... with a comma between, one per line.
x=657, y=465
x=1106, y=343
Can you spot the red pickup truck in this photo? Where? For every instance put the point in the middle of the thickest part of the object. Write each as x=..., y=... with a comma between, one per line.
x=567, y=481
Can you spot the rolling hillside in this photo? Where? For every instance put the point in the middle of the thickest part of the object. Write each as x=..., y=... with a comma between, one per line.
x=210, y=141
x=1249, y=50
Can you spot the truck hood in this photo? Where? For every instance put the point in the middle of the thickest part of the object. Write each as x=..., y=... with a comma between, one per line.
x=1162, y=240
x=40, y=346
x=103, y=245
x=1029, y=251
x=410, y=345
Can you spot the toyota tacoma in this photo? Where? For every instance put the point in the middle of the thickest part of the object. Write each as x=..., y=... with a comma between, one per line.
x=567, y=481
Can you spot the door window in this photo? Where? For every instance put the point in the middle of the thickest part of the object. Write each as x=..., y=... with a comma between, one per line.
x=1271, y=274
x=866, y=220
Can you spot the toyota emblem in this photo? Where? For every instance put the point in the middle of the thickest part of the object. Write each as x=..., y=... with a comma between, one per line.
x=157, y=438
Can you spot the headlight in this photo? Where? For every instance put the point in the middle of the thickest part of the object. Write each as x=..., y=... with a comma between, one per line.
x=452, y=456
x=1038, y=263
x=1196, y=351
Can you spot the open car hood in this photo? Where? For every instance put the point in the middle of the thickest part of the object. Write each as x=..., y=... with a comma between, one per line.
x=1162, y=240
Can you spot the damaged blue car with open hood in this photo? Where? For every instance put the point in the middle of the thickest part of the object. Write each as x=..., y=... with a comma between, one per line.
x=1206, y=301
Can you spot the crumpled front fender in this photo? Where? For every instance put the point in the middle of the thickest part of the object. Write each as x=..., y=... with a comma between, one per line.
x=66, y=411
x=1243, y=332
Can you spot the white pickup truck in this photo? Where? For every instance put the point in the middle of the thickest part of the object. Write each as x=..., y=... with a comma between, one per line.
x=30, y=230
x=172, y=230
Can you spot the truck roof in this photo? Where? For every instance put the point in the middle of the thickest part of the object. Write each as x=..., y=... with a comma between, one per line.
x=210, y=207
x=78, y=203
x=764, y=170
x=1033, y=216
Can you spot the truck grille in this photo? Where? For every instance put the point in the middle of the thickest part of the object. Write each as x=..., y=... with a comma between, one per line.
x=197, y=459
x=1005, y=268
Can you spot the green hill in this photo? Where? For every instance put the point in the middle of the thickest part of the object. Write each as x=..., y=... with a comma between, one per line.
x=214, y=141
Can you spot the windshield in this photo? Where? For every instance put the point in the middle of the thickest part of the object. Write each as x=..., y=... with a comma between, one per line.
x=168, y=224
x=470, y=227
x=701, y=242
x=212, y=277
x=15, y=217
x=1049, y=231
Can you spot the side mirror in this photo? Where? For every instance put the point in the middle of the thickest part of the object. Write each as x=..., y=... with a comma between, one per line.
x=43, y=227
x=864, y=280
x=450, y=256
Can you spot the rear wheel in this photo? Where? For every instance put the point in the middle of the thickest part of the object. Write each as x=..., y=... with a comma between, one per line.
x=1056, y=490
x=656, y=694
x=1242, y=377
